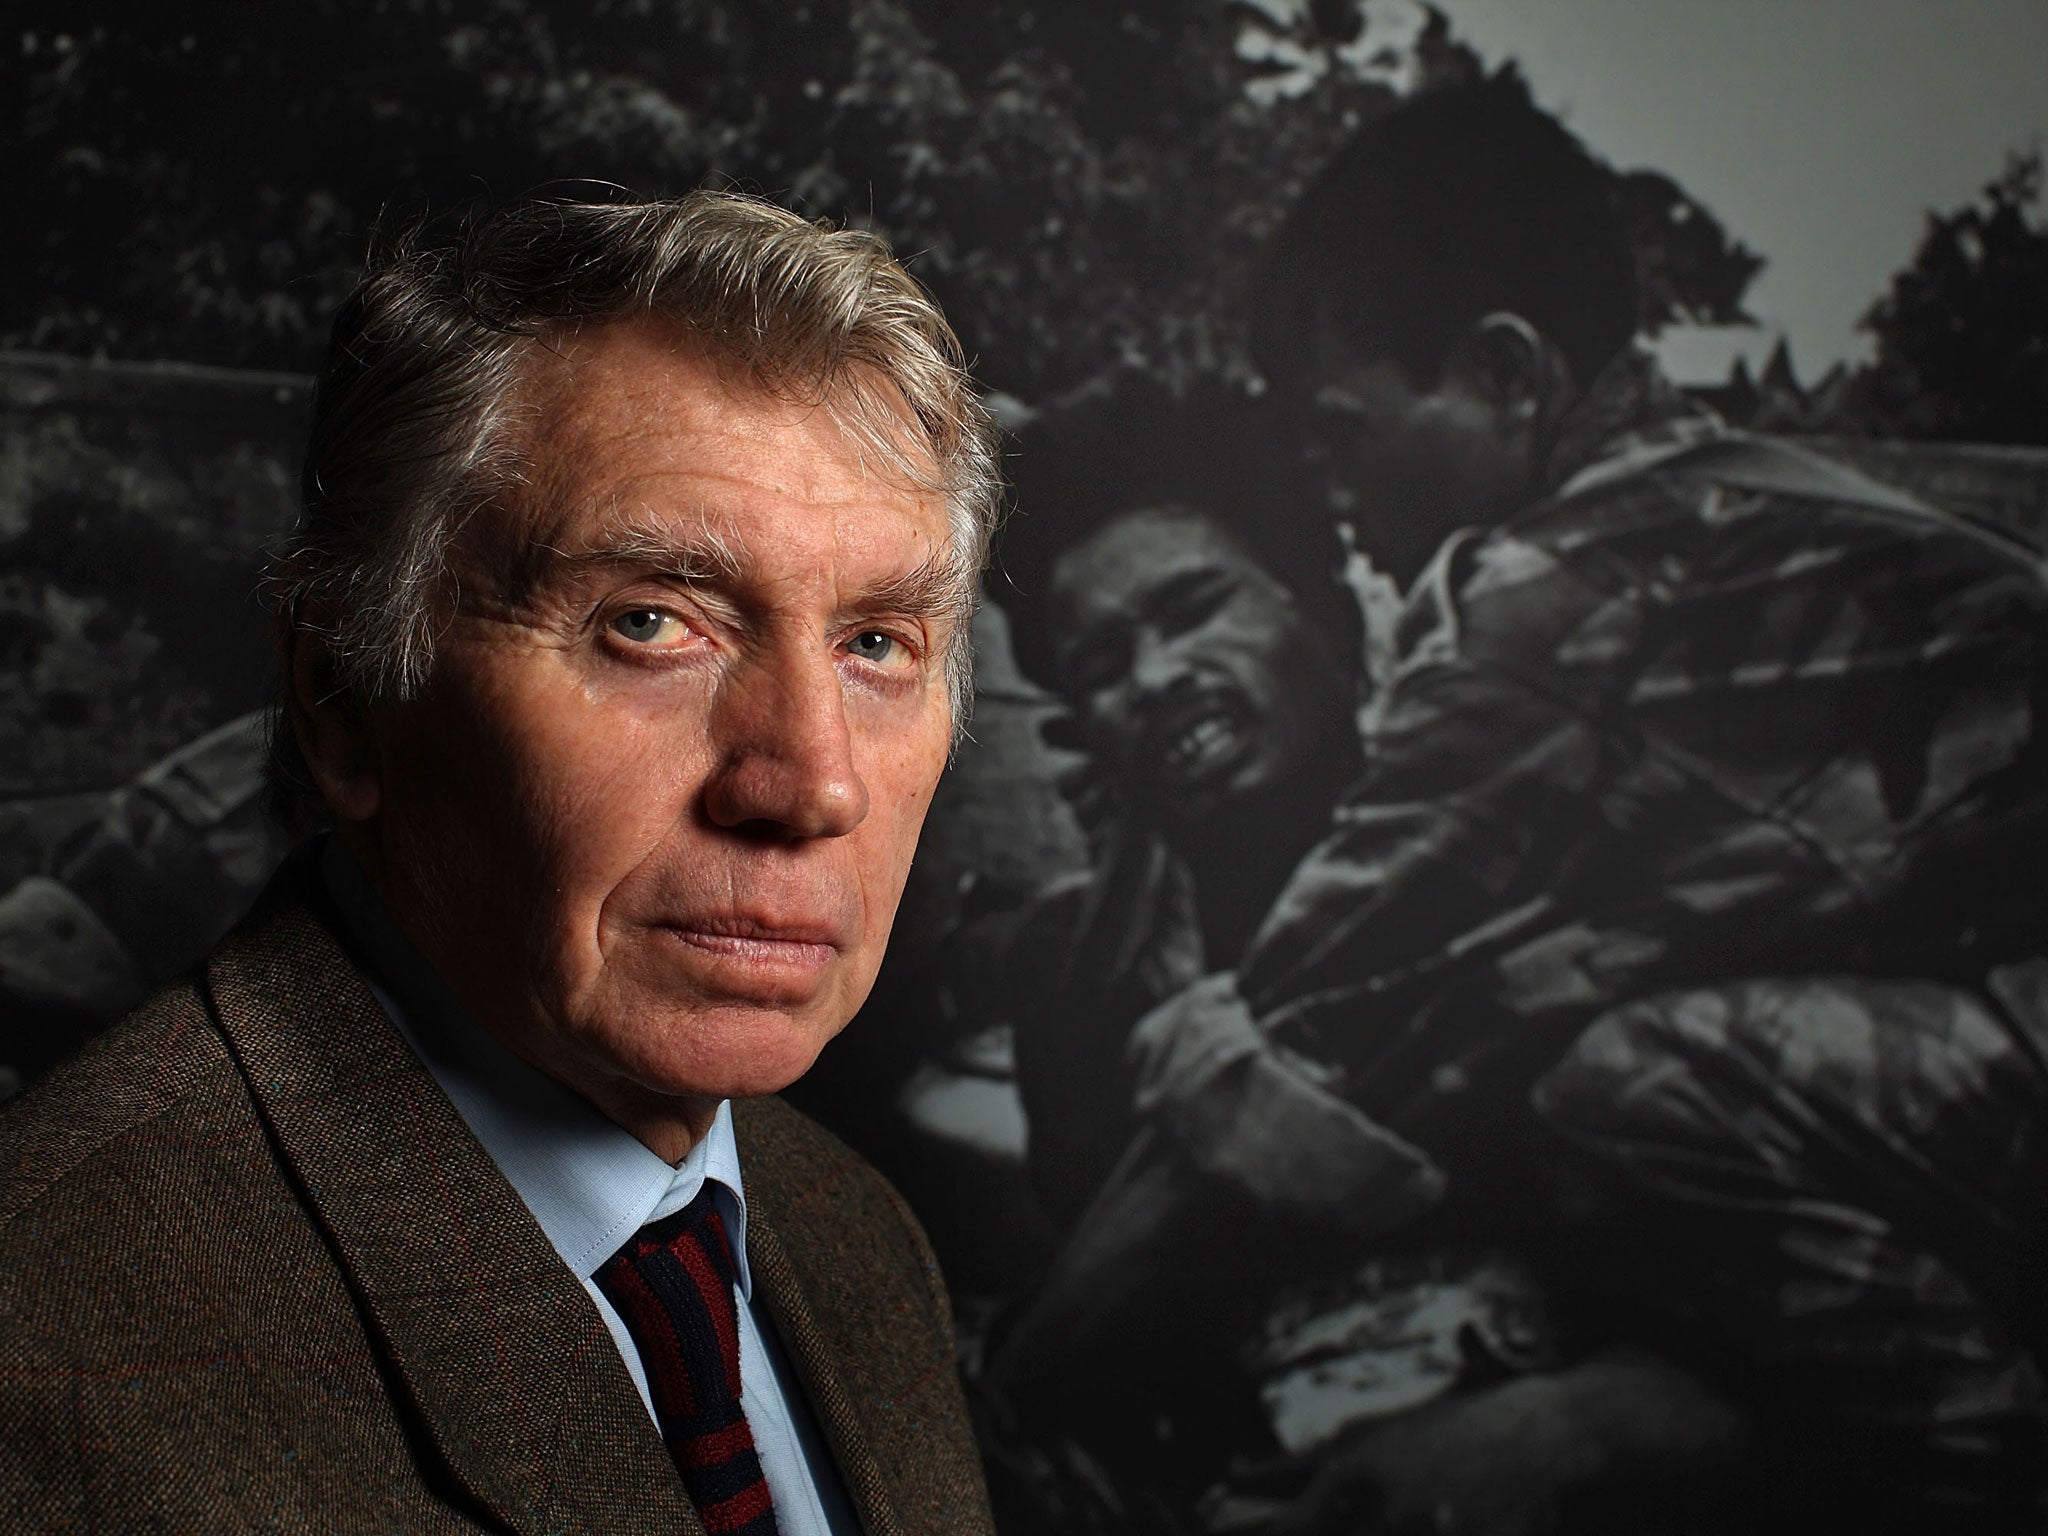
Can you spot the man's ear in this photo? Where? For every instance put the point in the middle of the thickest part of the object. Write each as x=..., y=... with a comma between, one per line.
x=1516, y=367
x=328, y=724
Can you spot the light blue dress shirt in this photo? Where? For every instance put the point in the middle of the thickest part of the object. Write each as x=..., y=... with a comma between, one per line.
x=592, y=1185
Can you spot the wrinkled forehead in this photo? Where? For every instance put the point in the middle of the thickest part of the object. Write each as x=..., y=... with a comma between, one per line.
x=640, y=422
x=647, y=379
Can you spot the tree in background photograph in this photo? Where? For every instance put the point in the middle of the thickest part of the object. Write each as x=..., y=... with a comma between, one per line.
x=1688, y=268
x=1080, y=183
x=1083, y=185
x=1086, y=187
x=1962, y=337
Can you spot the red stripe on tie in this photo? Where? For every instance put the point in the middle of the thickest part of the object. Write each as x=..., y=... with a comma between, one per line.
x=716, y=1289
x=734, y=1513
x=720, y=1445
x=673, y=1287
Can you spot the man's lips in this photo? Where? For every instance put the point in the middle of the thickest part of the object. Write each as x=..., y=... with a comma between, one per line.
x=757, y=942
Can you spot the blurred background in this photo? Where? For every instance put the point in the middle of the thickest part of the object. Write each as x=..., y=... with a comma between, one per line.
x=1836, y=209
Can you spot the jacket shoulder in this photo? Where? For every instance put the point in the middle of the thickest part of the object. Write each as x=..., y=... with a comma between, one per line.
x=82, y=1124
x=159, y=1290
x=824, y=1198
x=180, y=1348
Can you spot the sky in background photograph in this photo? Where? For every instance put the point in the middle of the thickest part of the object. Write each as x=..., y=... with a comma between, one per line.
x=1820, y=132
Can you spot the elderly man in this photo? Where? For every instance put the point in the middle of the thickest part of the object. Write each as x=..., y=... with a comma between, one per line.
x=624, y=632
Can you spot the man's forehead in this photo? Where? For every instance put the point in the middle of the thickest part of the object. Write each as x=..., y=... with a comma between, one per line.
x=633, y=401
x=644, y=447
x=744, y=514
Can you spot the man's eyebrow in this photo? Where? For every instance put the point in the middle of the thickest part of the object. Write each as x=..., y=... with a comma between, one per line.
x=938, y=586
x=1186, y=582
x=701, y=556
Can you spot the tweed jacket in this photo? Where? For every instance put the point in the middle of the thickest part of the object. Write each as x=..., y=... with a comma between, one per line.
x=257, y=1274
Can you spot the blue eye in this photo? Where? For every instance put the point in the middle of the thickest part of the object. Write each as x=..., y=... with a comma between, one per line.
x=873, y=645
x=641, y=624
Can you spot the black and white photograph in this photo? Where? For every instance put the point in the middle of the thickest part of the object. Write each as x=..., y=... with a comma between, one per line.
x=1479, y=960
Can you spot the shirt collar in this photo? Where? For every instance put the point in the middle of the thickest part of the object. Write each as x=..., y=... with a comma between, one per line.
x=589, y=1183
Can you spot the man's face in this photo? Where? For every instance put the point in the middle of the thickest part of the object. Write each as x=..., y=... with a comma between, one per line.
x=1192, y=675
x=1406, y=465
x=652, y=814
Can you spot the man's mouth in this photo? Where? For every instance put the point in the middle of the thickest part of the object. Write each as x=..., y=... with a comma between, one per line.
x=1198, y=741
x=756, y=942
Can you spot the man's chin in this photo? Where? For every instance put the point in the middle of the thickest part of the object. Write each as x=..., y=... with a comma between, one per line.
x=727, y=1051
x=677, y=1025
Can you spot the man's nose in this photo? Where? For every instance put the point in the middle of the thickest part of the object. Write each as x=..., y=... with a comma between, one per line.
x=785, y=754
x=1157, y=664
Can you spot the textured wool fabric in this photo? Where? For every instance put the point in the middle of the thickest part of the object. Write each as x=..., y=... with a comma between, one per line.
x=673, y=1284
x=256, y=1273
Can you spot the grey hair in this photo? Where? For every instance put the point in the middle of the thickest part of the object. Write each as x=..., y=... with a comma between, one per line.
x=417, y=427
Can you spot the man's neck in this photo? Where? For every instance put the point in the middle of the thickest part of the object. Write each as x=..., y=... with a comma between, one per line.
x=669, y=1127
x=1629, y=399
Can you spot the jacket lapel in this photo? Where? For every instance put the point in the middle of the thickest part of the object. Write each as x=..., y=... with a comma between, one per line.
x=492, y=1344
x=796, y=1325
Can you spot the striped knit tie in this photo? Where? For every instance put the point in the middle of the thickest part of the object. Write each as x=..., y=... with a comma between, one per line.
x=673, y=1285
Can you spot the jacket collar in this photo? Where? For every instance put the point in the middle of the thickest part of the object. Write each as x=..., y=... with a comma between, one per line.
x=803, y=1344
x=491, y=1345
